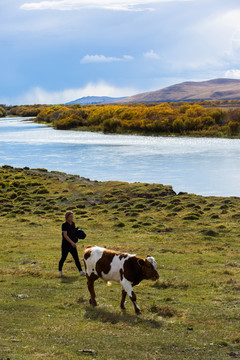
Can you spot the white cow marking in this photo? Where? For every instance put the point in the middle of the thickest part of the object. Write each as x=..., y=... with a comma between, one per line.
x=152, y=261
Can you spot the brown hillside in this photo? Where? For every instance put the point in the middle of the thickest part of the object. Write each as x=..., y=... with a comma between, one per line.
x=217, y=89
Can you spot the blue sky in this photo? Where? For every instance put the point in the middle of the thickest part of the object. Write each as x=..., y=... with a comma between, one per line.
x=54, y=51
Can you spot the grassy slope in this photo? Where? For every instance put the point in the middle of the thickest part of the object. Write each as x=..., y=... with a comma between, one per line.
x=192, y=312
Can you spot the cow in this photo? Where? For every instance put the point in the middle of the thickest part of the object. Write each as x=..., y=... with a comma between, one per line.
x=128, y=270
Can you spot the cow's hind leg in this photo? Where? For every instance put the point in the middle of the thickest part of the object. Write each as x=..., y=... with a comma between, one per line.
x=90, y=283
x=124, y=293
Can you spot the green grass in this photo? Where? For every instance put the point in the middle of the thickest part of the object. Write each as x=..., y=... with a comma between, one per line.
x=191, y=312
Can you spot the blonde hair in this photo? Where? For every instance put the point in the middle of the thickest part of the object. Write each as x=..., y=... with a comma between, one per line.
x=67, y=214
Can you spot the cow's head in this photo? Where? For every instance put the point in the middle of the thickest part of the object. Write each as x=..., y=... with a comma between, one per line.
x=149, y=268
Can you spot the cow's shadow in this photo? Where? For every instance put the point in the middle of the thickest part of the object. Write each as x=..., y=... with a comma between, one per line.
x=68, y=279
x=106, y=316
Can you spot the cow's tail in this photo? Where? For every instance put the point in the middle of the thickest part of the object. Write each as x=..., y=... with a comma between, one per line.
x=108, y=283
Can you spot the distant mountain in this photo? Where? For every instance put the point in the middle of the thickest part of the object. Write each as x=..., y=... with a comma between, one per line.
x=217, y=89
x=90, y=100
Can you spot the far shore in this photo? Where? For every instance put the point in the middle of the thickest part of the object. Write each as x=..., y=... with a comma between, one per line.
x=196, y=119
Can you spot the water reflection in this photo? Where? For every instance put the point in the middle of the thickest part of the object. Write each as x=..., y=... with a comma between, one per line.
x=196, y=165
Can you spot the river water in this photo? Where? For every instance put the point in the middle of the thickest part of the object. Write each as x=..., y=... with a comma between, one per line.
x=205, y=166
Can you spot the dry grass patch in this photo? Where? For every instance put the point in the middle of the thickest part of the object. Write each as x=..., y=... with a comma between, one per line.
x=190, y=313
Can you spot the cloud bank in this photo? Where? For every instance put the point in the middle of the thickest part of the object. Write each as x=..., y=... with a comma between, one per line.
x=232, y=74
x=118, y=5
x=38, y=95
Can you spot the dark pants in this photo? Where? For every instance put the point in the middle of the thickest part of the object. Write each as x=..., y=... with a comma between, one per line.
x=66, y=248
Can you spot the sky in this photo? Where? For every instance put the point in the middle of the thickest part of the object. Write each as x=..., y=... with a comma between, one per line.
x=55, y=51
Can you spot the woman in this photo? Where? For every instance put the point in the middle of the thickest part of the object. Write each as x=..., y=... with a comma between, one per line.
x=69, y=240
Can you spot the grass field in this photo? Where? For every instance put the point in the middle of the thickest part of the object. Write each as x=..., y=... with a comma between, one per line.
x=191, y=312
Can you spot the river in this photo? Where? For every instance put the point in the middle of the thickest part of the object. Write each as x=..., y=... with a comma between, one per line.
x=204, y=166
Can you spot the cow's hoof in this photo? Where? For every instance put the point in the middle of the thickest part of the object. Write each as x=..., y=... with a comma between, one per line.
x=122, y=306
x=138, y=312
x=92, y=303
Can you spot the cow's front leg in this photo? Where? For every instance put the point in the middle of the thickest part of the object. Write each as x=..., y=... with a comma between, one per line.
x=134, y=300
x=127, y=286
x=90, y=283
x=124, y=293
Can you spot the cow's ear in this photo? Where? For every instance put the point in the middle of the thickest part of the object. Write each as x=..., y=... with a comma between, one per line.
x=141, y=262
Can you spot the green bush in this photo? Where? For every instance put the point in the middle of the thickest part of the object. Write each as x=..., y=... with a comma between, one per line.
x=111, y=125
x=233, y=128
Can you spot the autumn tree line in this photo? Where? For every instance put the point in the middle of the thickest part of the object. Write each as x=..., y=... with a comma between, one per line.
x=2, y=112
x=183, y=118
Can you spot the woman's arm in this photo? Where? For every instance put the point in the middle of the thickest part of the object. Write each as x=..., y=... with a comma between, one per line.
x=68, y=239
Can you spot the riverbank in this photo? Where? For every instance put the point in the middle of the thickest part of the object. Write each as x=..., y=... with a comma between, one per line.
x=205, y=119
x=191, y=312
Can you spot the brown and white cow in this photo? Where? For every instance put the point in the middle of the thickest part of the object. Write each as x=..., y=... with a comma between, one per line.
x=124, y=268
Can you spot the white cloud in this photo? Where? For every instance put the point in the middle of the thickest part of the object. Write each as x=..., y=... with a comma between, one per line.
x=208, y=44
x=38, y=95
x=103, y=59
x=151, y=55
x=128, y=57
x=120, y=5
x=221, y=33
x=232, y=74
